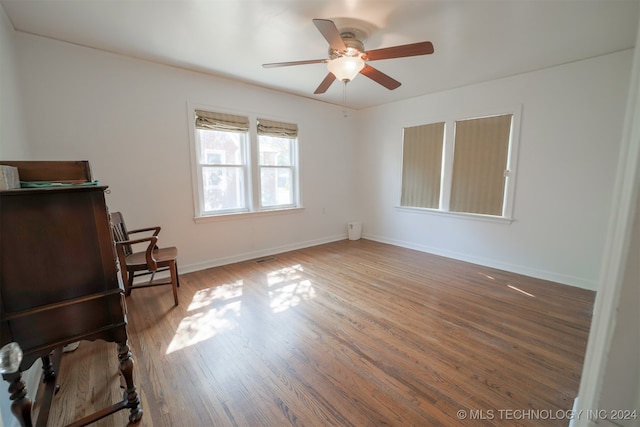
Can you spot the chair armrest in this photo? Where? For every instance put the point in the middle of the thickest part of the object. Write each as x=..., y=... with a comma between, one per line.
x=156, y=230
x=151, y=261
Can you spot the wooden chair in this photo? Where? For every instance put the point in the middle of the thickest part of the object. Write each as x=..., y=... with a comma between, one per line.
x=152, y=260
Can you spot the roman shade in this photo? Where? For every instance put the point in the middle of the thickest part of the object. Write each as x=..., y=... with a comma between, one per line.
x=221, y=122
x=277, y=129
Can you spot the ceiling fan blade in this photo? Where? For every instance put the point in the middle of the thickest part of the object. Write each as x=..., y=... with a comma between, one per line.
x=325, y=84
x=330, y=32
x=287, y=64
x=414, y=49
x=380, y=77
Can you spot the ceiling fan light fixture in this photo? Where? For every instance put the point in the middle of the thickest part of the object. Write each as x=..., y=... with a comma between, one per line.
x=347, y=56
x=345, y=68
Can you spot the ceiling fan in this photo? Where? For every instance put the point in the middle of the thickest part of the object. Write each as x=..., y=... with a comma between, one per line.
x=347, y=57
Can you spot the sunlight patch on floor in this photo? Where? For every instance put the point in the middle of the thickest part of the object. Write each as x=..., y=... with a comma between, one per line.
x=288, y=288
x=224, y=304
x=521, y=291
x=486, y=275
x=217, y=309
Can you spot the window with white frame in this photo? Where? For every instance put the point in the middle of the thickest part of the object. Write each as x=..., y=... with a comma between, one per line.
x=240, y=168
x=277, y=154
x=462, y=166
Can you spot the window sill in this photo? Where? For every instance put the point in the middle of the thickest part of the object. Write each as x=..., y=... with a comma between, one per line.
x=461, y=215
x=245, y=215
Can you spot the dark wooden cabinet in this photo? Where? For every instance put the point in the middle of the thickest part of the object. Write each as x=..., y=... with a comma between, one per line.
x=59, y=283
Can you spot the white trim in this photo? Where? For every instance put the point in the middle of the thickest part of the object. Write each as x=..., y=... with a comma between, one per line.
x=259, y=253
x=488, y=262
x=253, y=169
x=462, y=215
x=512, y=164
x=245, y=215
x=195, y=178
x=616, y=251
x=446, y=174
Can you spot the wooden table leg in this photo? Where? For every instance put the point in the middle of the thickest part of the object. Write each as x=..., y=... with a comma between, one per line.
x=131, y=399
x=50, y=367
x=48, y=372
x=130, y=395
x=21, y=403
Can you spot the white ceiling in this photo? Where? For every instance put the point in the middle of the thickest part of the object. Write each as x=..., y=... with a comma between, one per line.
x=474, y=40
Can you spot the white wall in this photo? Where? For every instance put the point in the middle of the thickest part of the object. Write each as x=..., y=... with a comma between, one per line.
x=621, y=381
x=611, y=371
x=129, y=119
x=571, y=127
x=13, y=143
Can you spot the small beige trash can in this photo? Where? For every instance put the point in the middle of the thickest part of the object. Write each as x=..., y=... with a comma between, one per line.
x=355, y=230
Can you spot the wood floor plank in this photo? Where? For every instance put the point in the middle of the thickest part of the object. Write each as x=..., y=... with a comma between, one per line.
x=350, y=333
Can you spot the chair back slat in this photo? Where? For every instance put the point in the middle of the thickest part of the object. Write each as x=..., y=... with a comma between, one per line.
x=119, y=231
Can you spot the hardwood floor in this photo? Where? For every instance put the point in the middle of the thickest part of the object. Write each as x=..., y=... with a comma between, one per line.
x=351, y=333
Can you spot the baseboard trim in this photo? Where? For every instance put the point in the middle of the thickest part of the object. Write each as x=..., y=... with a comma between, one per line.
x=489, y=262
x=190, y=268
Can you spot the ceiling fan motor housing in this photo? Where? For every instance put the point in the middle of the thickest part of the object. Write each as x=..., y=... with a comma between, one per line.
x=354, y=46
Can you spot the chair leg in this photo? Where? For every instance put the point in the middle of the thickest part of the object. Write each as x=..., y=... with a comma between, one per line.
x=173, y=269
x=129, y=285
x=177, y=275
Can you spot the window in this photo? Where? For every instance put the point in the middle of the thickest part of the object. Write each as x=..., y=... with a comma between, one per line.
x=276, y=145
x=480, y=165
x=222, y=161
x=422, y=168
x=464, y=171
x=235, y=162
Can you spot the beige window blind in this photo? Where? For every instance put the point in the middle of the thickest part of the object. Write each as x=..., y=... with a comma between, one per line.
x=422, y=165
x=277, y=129
x=480, y=161
x=222, y=122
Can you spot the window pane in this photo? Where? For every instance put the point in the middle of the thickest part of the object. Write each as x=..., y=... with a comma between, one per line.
x=479, y=164
x=277, y=186
x=275, y=151
x=220, y=148
x=421, y=165
x=223, y=188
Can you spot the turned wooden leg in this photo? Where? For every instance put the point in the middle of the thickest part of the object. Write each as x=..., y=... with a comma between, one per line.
x=49, y=374
x=21, y=404
x=130, y=393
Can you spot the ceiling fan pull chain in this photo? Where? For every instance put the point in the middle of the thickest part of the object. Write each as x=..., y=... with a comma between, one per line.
x=344, y=99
